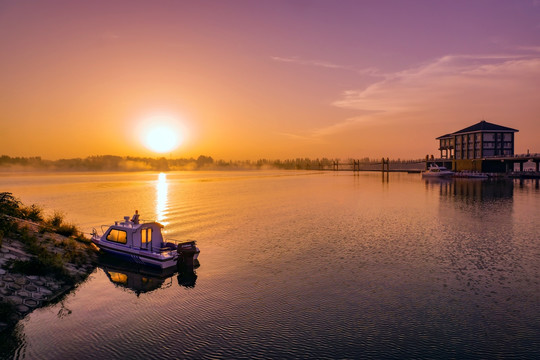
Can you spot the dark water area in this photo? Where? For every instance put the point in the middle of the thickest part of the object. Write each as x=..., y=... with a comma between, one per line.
x=299, y=265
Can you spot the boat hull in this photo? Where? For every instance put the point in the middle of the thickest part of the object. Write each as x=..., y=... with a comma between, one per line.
x=142, y=257
x=438, y=174
x=435, y=171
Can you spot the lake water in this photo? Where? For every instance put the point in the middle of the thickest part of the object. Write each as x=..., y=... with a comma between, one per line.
x=300, y=265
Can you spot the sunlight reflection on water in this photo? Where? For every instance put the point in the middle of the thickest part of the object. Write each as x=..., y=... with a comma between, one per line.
x=162, y=198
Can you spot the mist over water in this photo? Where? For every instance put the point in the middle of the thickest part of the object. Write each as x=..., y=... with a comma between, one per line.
x=300, y=265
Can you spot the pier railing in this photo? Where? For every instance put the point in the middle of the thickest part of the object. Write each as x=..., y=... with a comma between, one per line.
x=384, y=165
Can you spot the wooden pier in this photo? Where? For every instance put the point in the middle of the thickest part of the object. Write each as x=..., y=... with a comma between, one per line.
x=384, y=165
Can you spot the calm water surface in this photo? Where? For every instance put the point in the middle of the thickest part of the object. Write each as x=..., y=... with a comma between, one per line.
x=300, y=265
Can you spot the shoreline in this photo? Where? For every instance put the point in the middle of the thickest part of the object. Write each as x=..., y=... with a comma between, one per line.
x=21, y=292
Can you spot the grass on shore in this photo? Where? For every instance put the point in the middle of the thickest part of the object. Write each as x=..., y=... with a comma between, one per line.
x=49, y=256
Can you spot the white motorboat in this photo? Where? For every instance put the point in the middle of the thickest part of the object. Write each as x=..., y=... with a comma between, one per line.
x=143, y=244
x=435, y=170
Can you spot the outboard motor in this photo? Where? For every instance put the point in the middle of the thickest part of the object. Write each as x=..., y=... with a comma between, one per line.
x=188, y=253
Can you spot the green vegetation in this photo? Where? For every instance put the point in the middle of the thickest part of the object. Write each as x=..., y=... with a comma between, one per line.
x=56, y=224
x=49, y=256
x=56, y=219
x=52, y=248
x=11, y=206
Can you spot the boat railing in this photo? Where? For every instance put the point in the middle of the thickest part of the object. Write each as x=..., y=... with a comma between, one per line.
x=105, y=227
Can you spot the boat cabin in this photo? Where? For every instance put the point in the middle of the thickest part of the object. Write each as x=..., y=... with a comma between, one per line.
x=146, y=236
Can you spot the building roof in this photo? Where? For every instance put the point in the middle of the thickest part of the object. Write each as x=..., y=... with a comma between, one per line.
x=484, y=126
x=481, y=126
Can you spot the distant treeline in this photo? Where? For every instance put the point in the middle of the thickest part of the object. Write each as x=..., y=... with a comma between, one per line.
x=129, y=163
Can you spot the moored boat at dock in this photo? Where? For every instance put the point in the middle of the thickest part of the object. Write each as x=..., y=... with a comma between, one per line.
x=437, y=171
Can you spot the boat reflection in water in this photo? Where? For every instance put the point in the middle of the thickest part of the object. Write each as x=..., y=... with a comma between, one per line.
x=475, y=190
x=143, y=279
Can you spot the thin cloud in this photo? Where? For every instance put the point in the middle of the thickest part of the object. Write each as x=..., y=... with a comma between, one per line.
x=449, y=77
x=110, y=36
x=307, y=138
x=444, y=90
x=293, y=136
x=535, y=49
x=453, y=85
x=337, y=127
x=319, y=63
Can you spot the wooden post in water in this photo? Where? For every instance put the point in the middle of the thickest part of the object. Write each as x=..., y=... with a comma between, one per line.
x=387, y=168
x=387, y=163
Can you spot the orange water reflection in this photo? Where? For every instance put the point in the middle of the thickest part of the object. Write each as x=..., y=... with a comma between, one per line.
x=162, y=200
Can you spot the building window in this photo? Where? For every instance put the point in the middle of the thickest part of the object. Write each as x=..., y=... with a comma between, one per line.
x=489, y=137
x=507, y=137
x=118, y=236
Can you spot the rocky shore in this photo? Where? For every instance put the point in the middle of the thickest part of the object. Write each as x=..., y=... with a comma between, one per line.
x=38, y=265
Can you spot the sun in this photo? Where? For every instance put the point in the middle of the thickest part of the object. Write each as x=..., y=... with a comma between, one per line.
x=161, y=139
x=161, y=133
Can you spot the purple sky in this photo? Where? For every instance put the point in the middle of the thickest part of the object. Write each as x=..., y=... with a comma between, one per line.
x=274, y=79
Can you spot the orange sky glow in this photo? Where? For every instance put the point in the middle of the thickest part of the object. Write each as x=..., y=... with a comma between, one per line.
x=255, y=79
